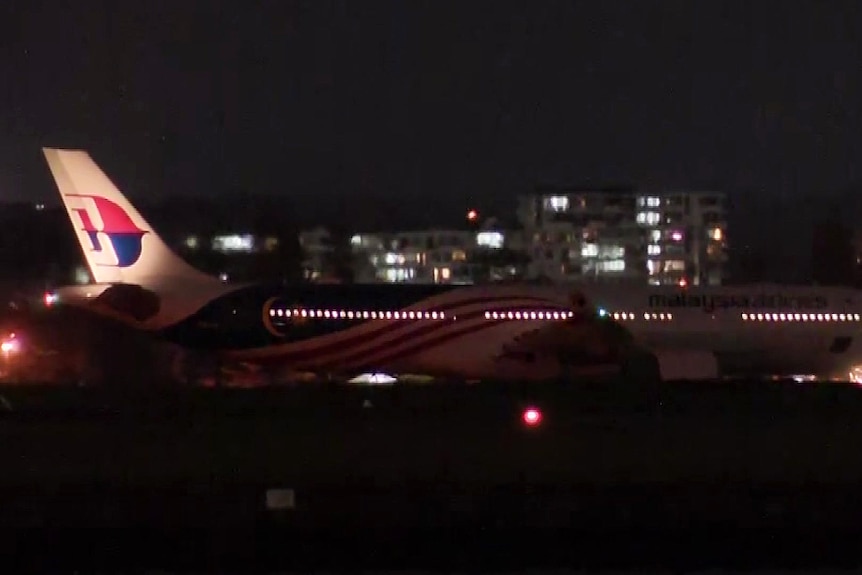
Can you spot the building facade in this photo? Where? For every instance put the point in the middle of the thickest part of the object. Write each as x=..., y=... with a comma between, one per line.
x=437, y=256
x=621, y=235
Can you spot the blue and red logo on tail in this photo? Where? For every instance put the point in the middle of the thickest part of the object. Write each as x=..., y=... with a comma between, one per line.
x=125, y=237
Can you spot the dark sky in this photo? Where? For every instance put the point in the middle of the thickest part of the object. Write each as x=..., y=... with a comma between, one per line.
x=452, y=101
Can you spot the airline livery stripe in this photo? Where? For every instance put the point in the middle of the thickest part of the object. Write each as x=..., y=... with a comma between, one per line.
x=371, y=329
x=386, y=341
x=419, y=336
x=416, y=336
x=427, y=344
x=397, y=330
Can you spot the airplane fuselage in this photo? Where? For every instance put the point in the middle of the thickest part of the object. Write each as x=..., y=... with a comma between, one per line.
x=771, y=329
x=521, y=332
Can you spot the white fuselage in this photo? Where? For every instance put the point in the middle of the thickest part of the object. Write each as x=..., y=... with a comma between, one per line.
x=799, y=331
x=765, y=329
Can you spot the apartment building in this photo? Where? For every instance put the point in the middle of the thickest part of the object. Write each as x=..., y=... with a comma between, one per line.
x=458, y=256
x=625, y=235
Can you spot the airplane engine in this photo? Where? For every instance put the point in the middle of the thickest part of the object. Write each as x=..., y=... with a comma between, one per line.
x=684, y=364
x=670, y=365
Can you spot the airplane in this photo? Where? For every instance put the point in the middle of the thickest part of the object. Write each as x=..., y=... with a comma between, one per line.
x=472, y=332
x=750, y=330
x=518, y=332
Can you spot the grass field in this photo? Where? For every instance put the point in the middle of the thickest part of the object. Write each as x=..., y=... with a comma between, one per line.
x=728, y=459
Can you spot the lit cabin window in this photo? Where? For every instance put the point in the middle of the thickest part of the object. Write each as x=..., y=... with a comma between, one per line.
x=801, y=317
x=632, y=316
x=286, y=314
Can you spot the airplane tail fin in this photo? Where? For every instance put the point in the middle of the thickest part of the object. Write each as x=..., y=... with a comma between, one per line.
x=119, y=244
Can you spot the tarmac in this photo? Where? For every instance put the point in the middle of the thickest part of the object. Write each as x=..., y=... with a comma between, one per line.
x=691, y=474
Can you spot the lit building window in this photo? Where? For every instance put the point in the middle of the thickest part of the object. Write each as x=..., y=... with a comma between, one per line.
x=557, y=203
x=233, y=243
x=648, y=218
x=442, y=275
x=397, y=274
x=649, y=202
x=490, y=239
x=612, y=266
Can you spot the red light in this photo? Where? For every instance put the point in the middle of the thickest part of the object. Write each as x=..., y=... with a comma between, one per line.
x=532, y=416
x=472, y=215
x=683, y=282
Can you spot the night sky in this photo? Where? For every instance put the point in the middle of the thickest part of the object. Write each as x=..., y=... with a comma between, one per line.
x=458, y=102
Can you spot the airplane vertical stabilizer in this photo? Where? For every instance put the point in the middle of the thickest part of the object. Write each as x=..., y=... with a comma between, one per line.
x=119, y=244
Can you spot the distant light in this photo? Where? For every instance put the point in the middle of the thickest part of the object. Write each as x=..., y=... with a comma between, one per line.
x=223, y=277
x=683, y=282
x=50, y=299
x=676, y=236
x=603, y=312
x=9, y=346
x=472, y=215
x=532, y=416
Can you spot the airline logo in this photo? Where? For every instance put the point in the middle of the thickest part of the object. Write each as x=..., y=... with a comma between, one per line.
x=711, y=302
x=115, y=240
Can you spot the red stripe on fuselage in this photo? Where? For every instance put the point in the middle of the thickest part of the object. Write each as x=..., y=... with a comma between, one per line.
x=369, y=347
x=371, y=329
x=424, y=346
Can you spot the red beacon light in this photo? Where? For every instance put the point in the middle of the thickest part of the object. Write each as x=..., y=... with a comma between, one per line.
x=532, y=416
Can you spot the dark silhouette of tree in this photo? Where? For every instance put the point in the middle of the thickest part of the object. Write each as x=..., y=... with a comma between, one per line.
x=37, y=244
x=341, y=261
x=746, y=265
x=282, y=262
x=490, y=263
x=833, y=260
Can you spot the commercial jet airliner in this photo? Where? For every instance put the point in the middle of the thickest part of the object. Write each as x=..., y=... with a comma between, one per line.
x=471, y=332
x=507, y=332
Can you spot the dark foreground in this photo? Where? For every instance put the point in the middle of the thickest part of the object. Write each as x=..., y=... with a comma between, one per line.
x=689, y=475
